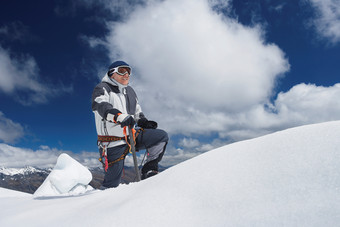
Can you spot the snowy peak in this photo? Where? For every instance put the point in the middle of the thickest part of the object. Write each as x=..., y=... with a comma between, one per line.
x=23, y=171
x=26, y=179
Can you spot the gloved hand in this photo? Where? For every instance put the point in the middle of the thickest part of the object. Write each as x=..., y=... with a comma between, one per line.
x=125, y=120
x=145, y=123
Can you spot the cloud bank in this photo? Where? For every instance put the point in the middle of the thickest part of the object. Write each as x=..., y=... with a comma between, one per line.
x=44, y=157
x=302, y=104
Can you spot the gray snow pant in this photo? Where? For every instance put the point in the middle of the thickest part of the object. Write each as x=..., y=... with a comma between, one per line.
x=153, y=140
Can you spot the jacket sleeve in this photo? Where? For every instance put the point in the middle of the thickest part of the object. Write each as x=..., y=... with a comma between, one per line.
x=101, y=101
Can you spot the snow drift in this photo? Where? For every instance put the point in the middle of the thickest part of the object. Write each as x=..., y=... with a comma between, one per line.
x=289, y=178
x=68, y=177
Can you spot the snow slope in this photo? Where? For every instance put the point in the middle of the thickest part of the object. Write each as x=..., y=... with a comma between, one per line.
x=289, y=178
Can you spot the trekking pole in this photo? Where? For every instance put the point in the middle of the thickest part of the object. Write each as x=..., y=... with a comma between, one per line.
x=133, y=150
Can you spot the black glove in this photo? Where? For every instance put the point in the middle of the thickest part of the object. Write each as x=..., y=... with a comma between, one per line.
x=125, y=120
x=145, y=123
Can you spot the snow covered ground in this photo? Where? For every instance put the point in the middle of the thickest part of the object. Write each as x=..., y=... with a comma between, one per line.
x=289, y=178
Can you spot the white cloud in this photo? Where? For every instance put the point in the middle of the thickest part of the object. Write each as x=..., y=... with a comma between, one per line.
x=327, y=21
x=188, y=148
x=17, y=73
x=19, y=78
x=195, y=67
x=189, y=142
x=176, y=156
x=18, y=157
x=44, y=157
x=302, y=104
x=10, y=131
x=305, y=104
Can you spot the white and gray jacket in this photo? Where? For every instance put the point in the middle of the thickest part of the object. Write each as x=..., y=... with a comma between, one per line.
x=110, y=98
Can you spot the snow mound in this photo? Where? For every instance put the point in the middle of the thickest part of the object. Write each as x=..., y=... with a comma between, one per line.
x=67, y=177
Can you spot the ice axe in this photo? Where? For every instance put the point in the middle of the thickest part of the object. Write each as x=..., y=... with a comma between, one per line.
x=133, y=151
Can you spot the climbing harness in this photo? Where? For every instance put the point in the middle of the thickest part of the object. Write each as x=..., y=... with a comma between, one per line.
x=107, y=139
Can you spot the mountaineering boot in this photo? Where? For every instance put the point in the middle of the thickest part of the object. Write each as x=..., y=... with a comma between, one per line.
x=102, y=188
x=148, y=174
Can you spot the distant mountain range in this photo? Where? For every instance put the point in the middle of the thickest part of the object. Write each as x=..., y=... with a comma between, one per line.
x=28, y=179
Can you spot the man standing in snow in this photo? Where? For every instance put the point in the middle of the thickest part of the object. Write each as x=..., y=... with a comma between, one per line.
x=116, y=107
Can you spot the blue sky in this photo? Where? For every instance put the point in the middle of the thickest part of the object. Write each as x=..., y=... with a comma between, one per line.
x=209, y=72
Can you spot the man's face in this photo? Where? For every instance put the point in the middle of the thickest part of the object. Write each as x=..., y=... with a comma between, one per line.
x=124, y=80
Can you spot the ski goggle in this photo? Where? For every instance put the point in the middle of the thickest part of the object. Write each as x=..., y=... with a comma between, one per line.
x=120, y=70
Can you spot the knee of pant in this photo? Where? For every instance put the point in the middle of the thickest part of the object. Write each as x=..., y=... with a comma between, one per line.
x=165, y=136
